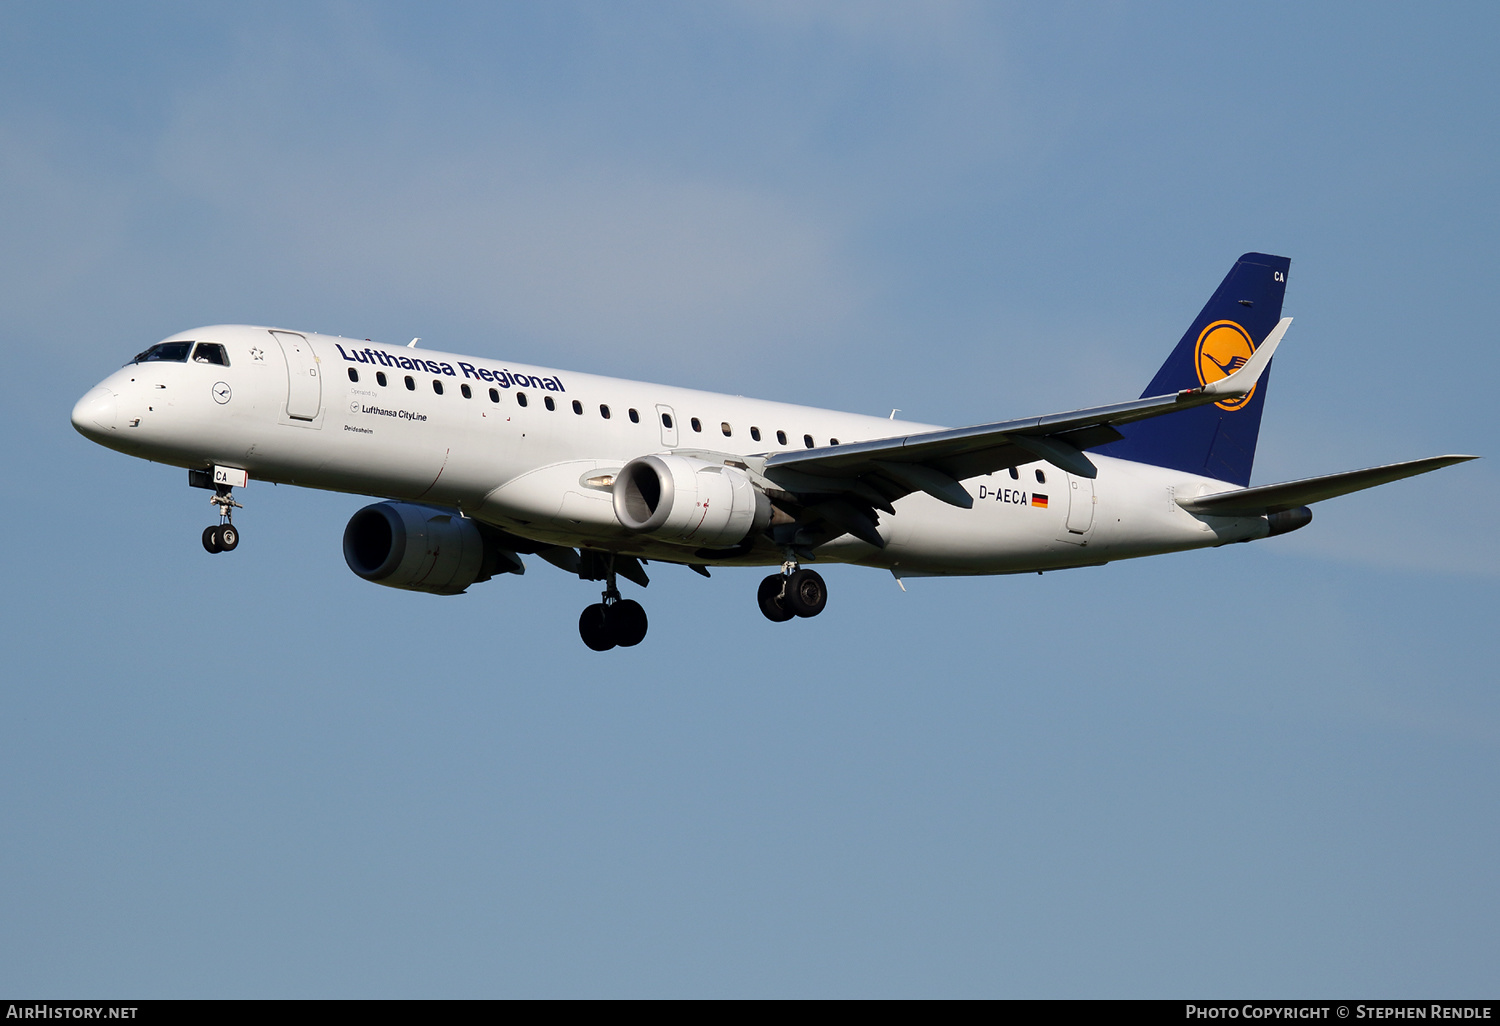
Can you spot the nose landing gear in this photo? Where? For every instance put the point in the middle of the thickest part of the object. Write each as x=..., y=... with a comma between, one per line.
x=614, y=621
x=793, y=592
x=223, y=536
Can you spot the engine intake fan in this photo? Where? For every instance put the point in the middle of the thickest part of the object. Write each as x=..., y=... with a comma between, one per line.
x=421, y=548
x=688, y=501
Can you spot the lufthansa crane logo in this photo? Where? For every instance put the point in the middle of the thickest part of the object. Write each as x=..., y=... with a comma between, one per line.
x=1223, y=348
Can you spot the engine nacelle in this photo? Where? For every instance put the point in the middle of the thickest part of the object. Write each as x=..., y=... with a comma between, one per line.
x=420, y=548
x=1288, y=520
x=689, y=501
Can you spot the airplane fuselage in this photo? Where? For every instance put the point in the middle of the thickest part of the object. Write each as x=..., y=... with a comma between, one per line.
x=534, y=451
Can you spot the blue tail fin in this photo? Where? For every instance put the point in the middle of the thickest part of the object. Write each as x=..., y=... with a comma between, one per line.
x=1216, y=441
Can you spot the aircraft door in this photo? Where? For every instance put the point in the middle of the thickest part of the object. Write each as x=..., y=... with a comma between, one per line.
x=304, y=385
x=1080, y=510
x=668, y=421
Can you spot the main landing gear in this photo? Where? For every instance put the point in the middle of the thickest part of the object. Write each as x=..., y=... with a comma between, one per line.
x=793, y=592
x=614, y=621
x=223, y=536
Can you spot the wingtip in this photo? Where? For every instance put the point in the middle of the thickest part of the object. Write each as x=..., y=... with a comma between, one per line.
x=1244, y=379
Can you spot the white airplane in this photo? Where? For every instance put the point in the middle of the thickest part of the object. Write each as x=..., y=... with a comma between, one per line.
x=480, y=460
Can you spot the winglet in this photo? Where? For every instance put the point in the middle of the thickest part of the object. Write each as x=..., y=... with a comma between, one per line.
x=1244, y=379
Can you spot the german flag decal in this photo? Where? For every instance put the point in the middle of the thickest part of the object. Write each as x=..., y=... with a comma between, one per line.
x=1039, y=500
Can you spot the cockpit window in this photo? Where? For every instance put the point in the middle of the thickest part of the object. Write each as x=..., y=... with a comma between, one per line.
x=211, y=352
x=165, y=352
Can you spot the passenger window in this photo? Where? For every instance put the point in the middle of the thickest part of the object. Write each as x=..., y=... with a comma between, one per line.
x=520, y=398
x=1041, y=478
x=411, y=386
x=833, y=441
x=635, y=418
x=212, y=352
x=380, y=378
x=467, y=391
x=578, y=407
x=354, y=375
x=755, y=433
x=781, y=438
x=724, y=427
x=547, y=402
x=666, y=420
x=604, y=411
x=437, y=386
x=1015, y=475
x=807, y=441
x=696, y=426
x=494, y=395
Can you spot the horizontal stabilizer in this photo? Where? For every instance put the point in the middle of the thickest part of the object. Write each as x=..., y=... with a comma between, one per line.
x=1269, y=499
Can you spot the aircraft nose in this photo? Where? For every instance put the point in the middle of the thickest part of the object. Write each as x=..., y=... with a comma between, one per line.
x=94, y=414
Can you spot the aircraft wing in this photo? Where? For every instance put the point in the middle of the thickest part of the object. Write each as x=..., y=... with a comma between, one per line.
x=883, y=470
x=1268, y=499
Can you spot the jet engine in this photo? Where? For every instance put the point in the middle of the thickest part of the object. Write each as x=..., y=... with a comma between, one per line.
x=689, y=501
x=421, y=548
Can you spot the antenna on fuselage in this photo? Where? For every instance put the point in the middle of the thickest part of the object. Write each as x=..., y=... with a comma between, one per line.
x=893, y=417
x=413, y=343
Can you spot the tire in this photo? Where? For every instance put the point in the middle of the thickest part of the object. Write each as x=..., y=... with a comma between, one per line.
x=626, y=621
x=769, y=597
x=806, y=594
x=594, y=629
x=229, y=537
x=211, y=539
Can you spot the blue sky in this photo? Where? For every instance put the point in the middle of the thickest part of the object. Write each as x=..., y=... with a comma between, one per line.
x=1269, y=769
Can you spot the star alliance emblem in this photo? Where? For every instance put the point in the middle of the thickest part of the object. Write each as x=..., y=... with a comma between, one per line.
x=257, y=354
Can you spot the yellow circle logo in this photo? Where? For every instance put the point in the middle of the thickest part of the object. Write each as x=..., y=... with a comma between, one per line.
x=1223, y=348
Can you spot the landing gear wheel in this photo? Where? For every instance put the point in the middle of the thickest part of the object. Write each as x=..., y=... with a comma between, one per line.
x=593, y=627
x=771, y=603
x=626, y=621
x=223, y=536
x=615, y=621
x=806, y=594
